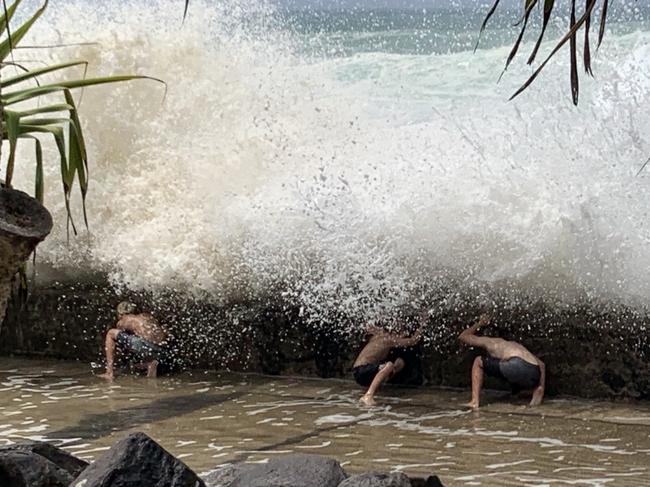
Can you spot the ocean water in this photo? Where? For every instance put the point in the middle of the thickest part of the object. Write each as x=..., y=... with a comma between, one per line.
x=349, y=161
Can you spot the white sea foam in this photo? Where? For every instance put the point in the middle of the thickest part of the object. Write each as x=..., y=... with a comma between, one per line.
x=355, y=183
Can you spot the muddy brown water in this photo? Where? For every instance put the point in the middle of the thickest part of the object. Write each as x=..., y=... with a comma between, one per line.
x=209, y=419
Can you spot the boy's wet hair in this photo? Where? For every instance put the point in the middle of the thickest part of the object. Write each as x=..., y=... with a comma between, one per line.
x=126, y=308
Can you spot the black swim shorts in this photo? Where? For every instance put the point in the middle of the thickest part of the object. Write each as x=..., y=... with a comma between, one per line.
x=143, y=349
x=521, y=375
x=365, y=374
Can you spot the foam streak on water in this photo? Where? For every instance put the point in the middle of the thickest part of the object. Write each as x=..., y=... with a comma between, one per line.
x=349, y=181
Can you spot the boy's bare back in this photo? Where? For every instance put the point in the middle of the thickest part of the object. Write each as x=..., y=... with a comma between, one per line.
x=375, y=351
x=144, y=325
x=380, y=345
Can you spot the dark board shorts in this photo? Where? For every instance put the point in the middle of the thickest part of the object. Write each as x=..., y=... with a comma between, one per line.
x=138, y=346
x=365, y=374
x=521, y=375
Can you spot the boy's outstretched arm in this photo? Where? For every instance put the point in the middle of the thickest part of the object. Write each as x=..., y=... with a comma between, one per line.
x=402, y=342
x=468, y=337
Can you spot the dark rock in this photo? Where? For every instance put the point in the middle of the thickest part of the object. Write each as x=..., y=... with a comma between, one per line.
x=137, y=461
x=431, y=481
x=29, y=469
x=226, y=475
x=377, y=480
x=293, y=471
x=59, y=457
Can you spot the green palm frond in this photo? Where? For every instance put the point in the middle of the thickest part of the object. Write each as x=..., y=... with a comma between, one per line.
x=59, y=120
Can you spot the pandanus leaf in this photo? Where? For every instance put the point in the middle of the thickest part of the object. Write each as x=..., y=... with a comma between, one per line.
x=587, y=43
x=548, y=10
x=575, y=87
x=8, y=44
x=34, y=73
x=529, y=7
x=7, y=15
x=39, y=181
x=78, y=155
x=67, y=175
x=22, y=95
x=483, y=25
x=603, y=22
x=11, y=132
x=62, y=107
x=579, y=23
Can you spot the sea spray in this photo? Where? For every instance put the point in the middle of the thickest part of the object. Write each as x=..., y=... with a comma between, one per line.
x=353, y=184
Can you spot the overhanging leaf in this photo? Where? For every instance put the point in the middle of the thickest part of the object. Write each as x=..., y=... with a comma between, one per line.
x=558, y=46
x=483, y=25
x=7, y=45
x=603, y=22
x=575, y=87
x=548, y=10
x=22, y=95
x=12, y=124
x=34, y=73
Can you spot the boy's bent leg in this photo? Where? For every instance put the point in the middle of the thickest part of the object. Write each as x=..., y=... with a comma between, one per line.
x=398, y=366
x=109, y=346
x=477, y=382
x=369, y=397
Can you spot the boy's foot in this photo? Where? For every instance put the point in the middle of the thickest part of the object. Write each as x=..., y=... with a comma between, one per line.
x=152, y=369
x=107, y=376
x=367, y=400
x=472, y=405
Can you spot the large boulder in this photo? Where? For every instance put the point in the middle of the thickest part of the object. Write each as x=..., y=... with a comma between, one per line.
x=137, y=461
x=372, y=479
x=24, y=222
x=28, y=469
x=293, y=471
x=57, y=456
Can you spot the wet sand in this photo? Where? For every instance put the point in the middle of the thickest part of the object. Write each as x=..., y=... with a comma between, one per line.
x=208, y=419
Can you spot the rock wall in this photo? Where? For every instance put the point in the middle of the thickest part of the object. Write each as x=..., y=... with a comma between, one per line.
x=589, y=352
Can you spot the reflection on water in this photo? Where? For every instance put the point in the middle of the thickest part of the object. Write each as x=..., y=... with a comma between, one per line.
x=208, y=419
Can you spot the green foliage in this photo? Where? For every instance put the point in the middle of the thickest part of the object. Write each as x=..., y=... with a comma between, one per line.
x=60, y=121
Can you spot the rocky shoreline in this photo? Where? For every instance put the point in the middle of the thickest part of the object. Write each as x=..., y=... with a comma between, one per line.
x=138, y=461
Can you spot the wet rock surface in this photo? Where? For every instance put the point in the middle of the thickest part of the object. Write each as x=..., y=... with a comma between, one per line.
x=226, y=475
x=293, y=471
x=62, y=459
x=374, y=479
x=308, y=471
x=137, y=461
x=24, y=468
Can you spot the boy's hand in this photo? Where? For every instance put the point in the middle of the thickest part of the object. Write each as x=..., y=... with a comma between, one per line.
x=484, y=319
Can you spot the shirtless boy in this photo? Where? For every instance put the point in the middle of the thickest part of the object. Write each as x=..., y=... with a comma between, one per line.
x=377, y=361
x=506, y=360
x=139, y=334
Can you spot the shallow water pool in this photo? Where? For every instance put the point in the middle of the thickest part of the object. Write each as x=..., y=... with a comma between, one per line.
x=208, y=419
